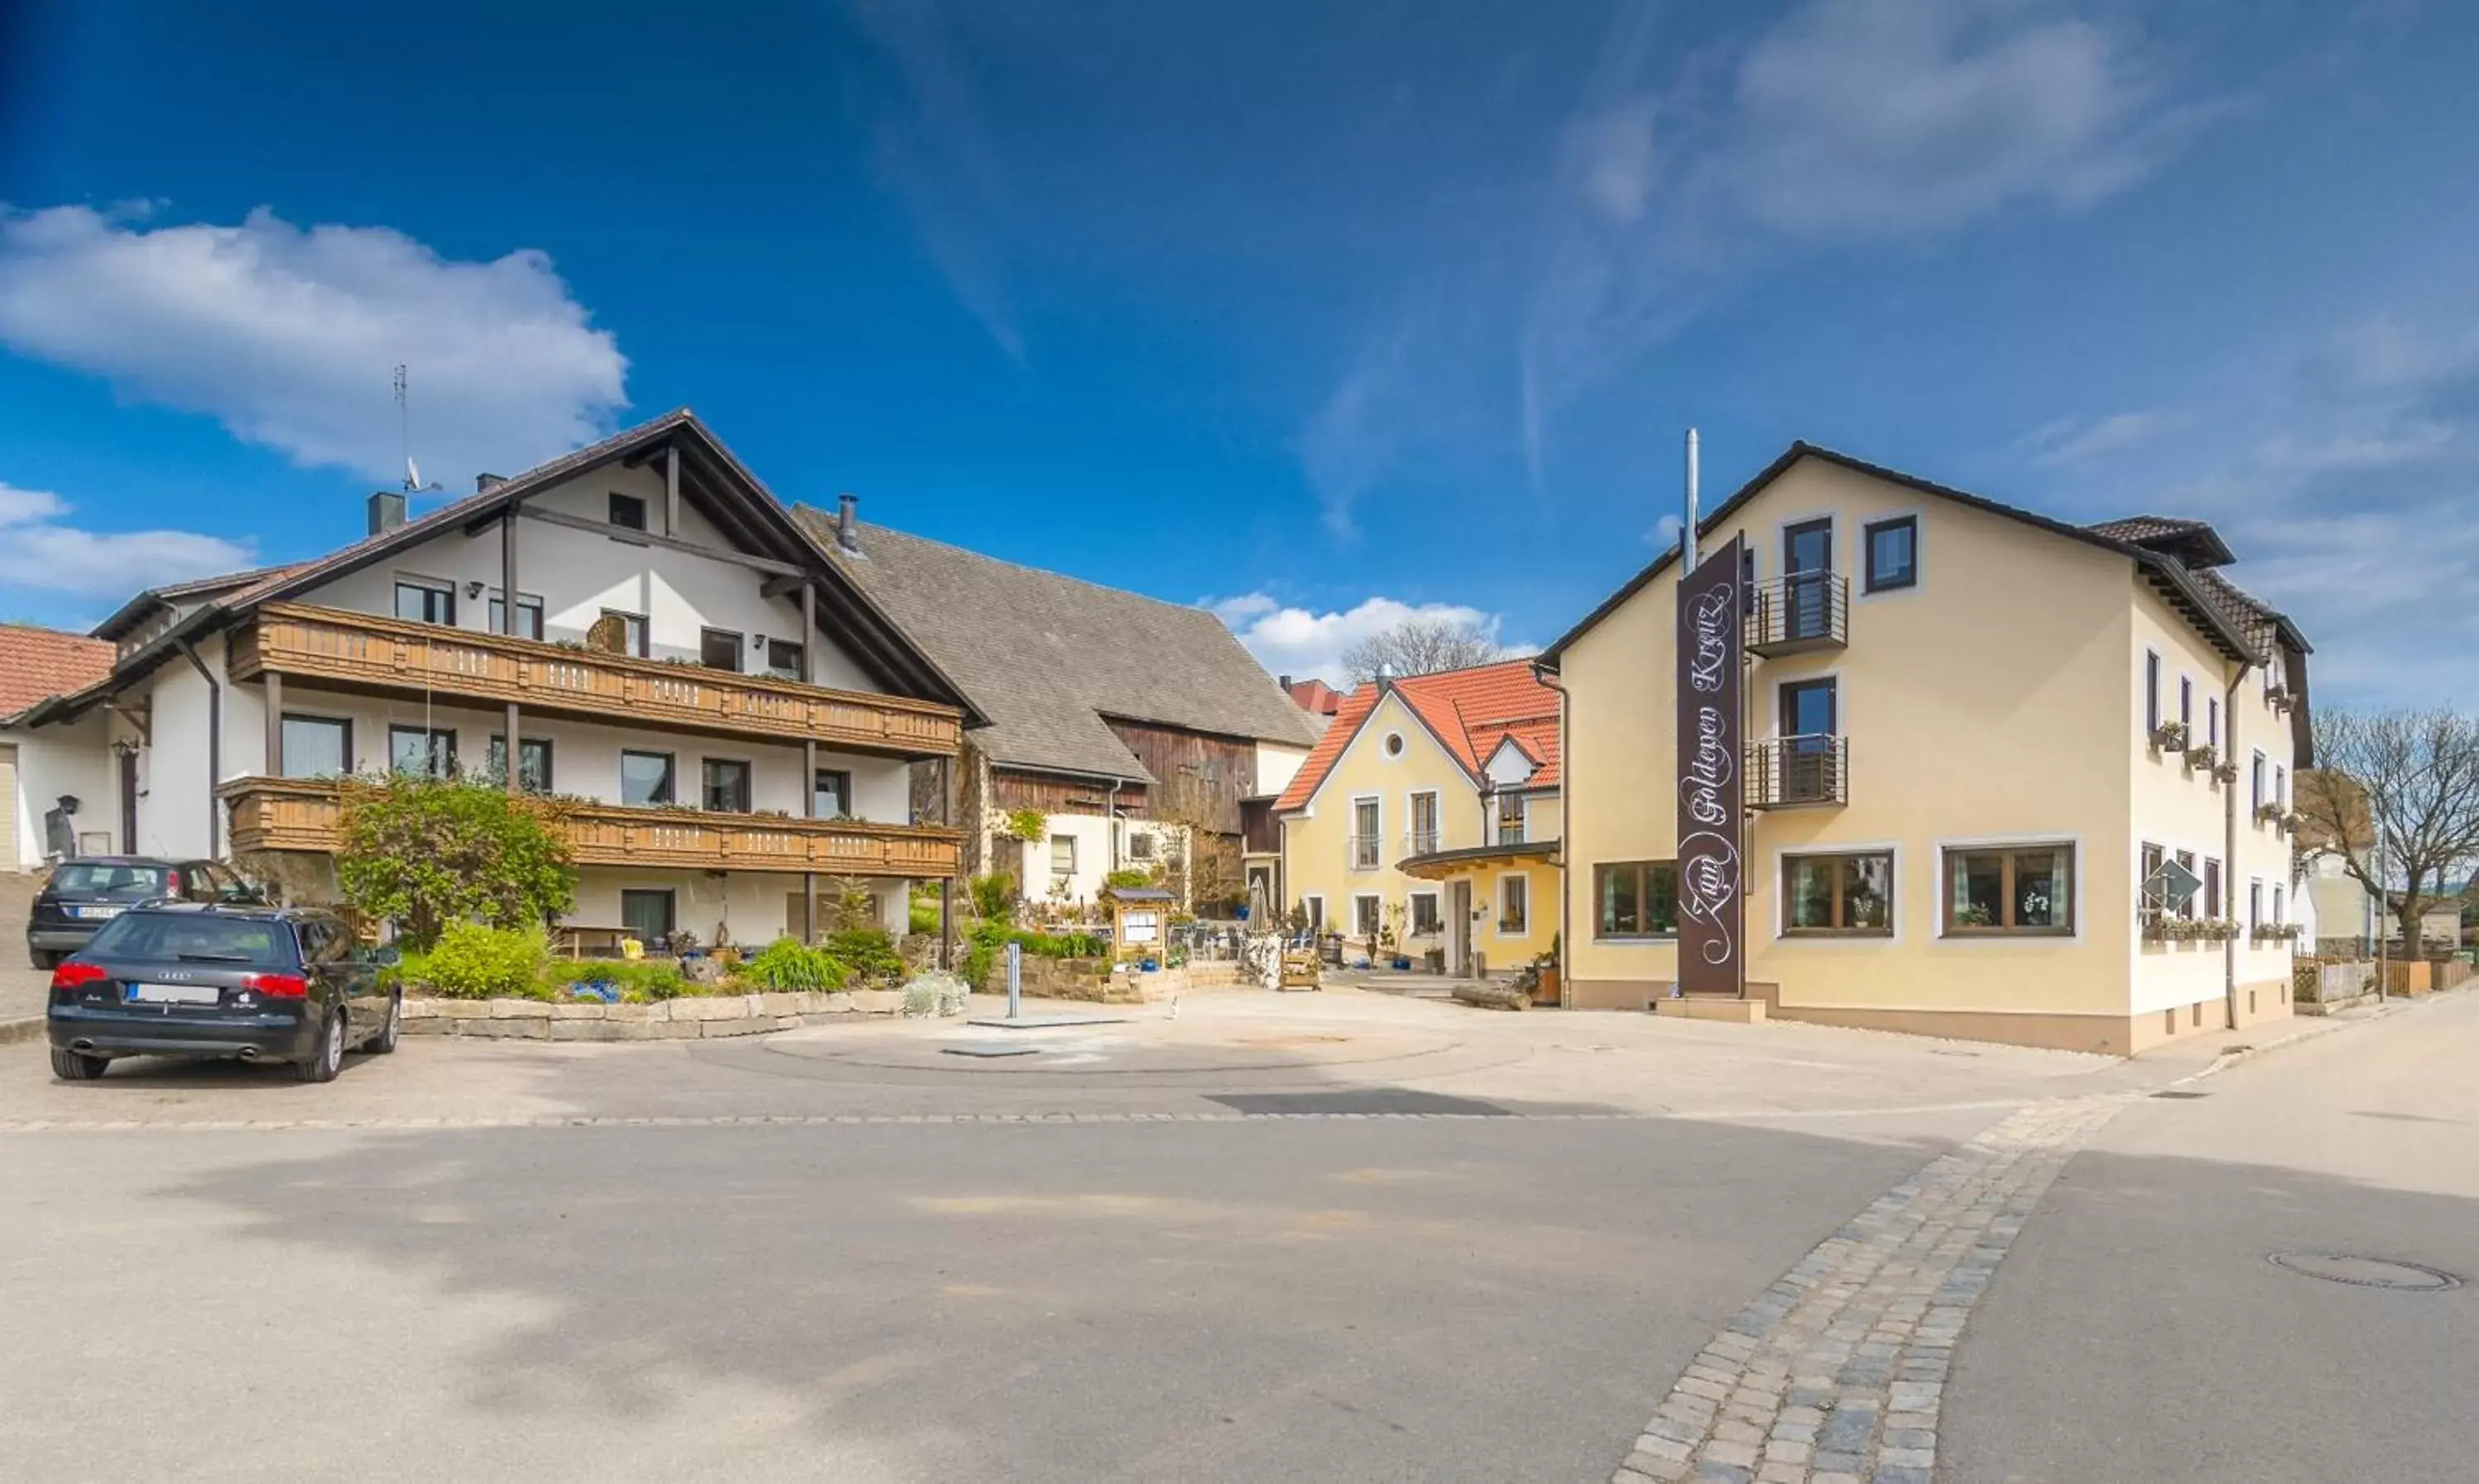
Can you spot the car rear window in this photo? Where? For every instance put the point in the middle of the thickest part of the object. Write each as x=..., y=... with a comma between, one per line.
x=193, y=937
x=104, y=878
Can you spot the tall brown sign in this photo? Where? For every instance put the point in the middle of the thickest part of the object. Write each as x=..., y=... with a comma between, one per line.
x=1712, y=951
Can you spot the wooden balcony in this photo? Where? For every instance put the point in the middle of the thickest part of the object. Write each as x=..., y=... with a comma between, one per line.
x=307, y=814
x=364, y=652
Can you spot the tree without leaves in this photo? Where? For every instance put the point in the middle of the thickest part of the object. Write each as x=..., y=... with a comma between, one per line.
x=1420, y=645
x=2408, y=779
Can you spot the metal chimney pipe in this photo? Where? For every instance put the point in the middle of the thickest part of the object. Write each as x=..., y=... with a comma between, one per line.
x=847, y=521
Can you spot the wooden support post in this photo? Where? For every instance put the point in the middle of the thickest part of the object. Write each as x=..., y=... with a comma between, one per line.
x=672, y=491
x=514, y=754
x=275, y=764
x=947, y=924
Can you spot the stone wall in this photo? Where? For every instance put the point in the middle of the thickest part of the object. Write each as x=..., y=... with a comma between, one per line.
x=689, y=1018
x=1094, y=981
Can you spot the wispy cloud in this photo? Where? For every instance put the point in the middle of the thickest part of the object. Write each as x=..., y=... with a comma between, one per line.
x=2070, y=441
x=289, y=335
x=41, y=552
x=1296, y=641
x=934, y=152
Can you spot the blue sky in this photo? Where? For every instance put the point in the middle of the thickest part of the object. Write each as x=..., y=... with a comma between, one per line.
x=1315, y=313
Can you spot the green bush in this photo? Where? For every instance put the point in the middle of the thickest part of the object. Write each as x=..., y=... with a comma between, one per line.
x=983, y=949
x=1127, y=877
x=994, y=895
x=787, y=964
x=640, y=979
x=1063, y=945
x=869, y=953
x=925, y=916
x=472, y=961
x=427, y=853
x=1028, y=824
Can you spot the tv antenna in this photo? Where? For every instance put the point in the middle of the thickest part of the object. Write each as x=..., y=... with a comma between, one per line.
x=413, y=484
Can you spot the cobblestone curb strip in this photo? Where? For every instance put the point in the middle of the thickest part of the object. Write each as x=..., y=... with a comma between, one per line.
x=767, y=1120
x=1836, y=1373
x=691, y=1017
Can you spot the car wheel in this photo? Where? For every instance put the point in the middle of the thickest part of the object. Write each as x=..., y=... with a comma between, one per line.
x=327, y=1058
x=44, y=958
x=381, y=1044
x=77, y=1065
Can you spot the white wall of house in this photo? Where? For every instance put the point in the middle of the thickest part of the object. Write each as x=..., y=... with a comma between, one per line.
x=1092, y=834
x=55, y=760
x=579, y=574
x=750, y=907
x=1277, y=765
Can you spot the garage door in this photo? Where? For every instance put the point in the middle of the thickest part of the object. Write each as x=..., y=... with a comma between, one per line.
x=8, y=808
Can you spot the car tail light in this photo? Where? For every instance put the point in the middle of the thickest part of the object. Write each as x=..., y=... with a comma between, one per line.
x=278, y=986
x=76, y=976
x=172, y=883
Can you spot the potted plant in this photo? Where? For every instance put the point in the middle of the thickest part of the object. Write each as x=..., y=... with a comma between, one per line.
x=2269, y=813
x=2203, y=756
x=2170, y=736
x=2226, y=773
x=1545, y=983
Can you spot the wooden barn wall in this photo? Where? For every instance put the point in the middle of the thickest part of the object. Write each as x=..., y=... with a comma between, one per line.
x=1207, y=774
x=1010, y=789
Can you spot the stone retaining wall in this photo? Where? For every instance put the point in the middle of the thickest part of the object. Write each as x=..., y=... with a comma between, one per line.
x=1091, y=980
x=688, y=1018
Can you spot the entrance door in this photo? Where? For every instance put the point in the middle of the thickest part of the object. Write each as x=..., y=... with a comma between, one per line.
x=129, y=804
x=1458, y=926
x=647, y=915
x=1809, y=723
x=1808, y=578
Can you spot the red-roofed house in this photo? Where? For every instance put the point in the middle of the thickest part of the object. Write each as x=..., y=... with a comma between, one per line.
x=1426, y=819
x=35, y=665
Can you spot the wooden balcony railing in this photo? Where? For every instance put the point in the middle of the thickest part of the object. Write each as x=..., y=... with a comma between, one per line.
x=307, y=814
x=364, y=651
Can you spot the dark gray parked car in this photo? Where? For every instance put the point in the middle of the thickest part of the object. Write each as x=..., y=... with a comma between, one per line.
x=200, y=979
x=81, y=896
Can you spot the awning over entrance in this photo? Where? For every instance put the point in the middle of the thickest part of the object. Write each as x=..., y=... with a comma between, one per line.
x=1440, y=866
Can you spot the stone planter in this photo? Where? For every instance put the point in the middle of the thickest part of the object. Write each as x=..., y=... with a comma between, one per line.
x=702, y=1017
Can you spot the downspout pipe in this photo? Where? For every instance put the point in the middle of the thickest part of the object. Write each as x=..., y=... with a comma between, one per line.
x=2229, y=844
x=214, y=749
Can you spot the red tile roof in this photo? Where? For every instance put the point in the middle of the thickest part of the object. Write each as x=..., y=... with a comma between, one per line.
x=1471, y=711
x=35, y=663
x=1317, y=697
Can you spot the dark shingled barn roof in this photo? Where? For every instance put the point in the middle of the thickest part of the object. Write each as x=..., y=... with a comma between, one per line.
x=1046, y=658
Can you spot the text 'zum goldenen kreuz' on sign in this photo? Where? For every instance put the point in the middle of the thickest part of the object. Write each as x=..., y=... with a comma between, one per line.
x=1710, y=898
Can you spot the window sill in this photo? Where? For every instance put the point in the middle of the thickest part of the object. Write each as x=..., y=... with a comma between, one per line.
x=1668, y=938
x=1883, y=934
x=2005, y=932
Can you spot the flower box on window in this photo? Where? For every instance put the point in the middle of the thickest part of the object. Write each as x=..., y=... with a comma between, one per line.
x=2271, y=814
x=2202, y=757
x=2275, y=932
x=2226, y=773
x=2170, y=736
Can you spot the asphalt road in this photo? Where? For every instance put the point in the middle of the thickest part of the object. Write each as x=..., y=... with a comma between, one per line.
x=2138, y=1332
x=1335, y=1298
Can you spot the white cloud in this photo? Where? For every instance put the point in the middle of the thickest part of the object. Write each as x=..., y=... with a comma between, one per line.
x=40, y=553
x=2076, y=440
x=290, y=335
x=1297, y=642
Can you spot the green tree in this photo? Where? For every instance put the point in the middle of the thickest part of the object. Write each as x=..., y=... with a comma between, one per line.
x=427, y=852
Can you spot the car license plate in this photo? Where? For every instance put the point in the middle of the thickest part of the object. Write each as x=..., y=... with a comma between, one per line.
x=96, y=911
x=176, y=994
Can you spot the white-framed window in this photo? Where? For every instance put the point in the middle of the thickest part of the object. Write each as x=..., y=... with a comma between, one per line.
x=2254, y=778
x=1421, y=834
x=1367, y=913
x=2276, y=904
x=1366, y=842
x=1140, y=847
x=2186, y=700
x=2213, y=720
x=1062, y=863
x=2254, y=902
x=1514, y=904
x=1426, y=919
x=2281, y=785
x=1313, y=906
x=1514, y=818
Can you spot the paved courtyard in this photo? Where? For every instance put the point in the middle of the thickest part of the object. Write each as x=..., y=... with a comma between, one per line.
x=1347, y=1235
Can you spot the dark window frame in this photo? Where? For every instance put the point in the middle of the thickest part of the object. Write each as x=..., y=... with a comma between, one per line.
x=434, y=735
x=1876, y=582
x=739, y=650
x=1843, y=862
x=1949, y=927
x=670, y=904
x=2186, y=700
x=671, y=789
x=843, y=792
x=499, y=745
x=797, y=669
x=308, y=718
x=748, y=785
x=624, y=505
x=2212, y=889
x=1411, y=914
x=2151, y=692
x=2193, y=904
x=429, y=587
x=495, y=610
x=634, y=623
x=1642, y=875
x=1521, y=926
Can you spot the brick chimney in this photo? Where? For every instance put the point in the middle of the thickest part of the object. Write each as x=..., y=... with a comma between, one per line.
x=387, y=510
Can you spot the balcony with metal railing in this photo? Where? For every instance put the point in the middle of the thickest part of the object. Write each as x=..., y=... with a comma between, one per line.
x=1364, y=852
x=1419, y=842
x=1799, y=772
x=1798, y=612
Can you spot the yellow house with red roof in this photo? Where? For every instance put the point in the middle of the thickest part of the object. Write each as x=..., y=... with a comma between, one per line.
x=1426, y=822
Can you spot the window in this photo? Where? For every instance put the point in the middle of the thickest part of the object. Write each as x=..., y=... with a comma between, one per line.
x=2010, y=888
x=787, y=659
x=2255, y=777
x=419, y=601
x=2211, y=887
x=719, y=649
x=533, y=762
x=430, y=752
x=1363, y=915
x=1807, y=579
x=1314, y=908
x=2255, y=904
x=1424, y=823
x=1514, y=893
x=1140, y=847
x=646, y=779
x=1636, y=899
x=530, y=616
x=628, y=511
x=2276, y=904
x=830, y=795
x=647, y=914
x=1426, y=919
x=625, y=633
x=2186, y=700
x=1893, y=553
x=2281, y=785
x=2147, y=873
x=2213, y=720
x=1364, y=834
x=1062, y=863
x=726, y=785
x=2185, y=908
x=1393, y=744
x=1514, y=817
x=2151, y=693
x=1850, y=894
x=315, y=746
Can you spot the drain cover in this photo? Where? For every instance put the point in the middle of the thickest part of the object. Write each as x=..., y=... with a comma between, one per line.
x=2367, y=1273
x=2172, y=1092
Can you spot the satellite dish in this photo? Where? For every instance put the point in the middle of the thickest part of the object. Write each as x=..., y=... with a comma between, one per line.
x=412, y=474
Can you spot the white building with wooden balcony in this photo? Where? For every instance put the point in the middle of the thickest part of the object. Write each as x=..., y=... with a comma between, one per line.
x=733, y=722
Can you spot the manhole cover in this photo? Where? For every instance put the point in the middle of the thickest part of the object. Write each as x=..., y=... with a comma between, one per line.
x=2172, y=1092
x=2367, y=1273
